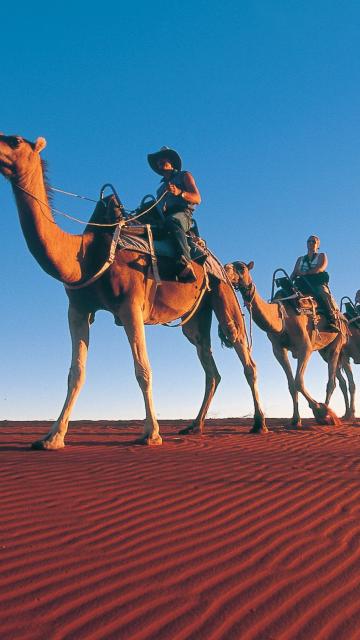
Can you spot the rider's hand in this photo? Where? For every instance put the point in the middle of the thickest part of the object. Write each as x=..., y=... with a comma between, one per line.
x=174, y=189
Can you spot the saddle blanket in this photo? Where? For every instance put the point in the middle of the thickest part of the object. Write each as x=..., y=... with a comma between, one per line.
x=163, y=247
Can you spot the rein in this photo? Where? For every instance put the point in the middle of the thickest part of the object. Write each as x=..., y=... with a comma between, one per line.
x=84, y=222
x=73, y=195
x=116, y=225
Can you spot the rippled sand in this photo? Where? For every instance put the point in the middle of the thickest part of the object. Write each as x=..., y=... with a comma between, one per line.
x=224, y=536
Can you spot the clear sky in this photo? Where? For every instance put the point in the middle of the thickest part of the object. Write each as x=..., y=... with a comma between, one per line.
x=261, y=99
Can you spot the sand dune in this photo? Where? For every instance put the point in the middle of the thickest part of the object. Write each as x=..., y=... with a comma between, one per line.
x=226, y=536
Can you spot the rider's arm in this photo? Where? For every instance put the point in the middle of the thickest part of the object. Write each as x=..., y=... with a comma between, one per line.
x=321, y=265
x=190, y=193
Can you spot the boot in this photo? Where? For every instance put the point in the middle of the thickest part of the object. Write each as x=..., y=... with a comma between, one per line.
x=186, y=272
x=326, y=301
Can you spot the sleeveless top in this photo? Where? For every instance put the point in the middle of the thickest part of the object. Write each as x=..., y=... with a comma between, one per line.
x=307, y=264
x=170, y=201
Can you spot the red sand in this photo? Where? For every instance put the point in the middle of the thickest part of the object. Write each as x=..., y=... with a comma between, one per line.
x=227, y=536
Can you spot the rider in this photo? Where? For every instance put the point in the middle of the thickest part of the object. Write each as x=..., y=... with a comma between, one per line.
x=311, y=277
x=177, y=206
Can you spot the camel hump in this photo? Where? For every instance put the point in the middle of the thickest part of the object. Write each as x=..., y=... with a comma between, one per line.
x=107, y=211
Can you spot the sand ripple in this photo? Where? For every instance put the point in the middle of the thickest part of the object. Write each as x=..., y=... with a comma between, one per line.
x=227, y=536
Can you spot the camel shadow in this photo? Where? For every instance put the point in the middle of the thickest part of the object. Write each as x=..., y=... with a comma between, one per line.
x=12, y=447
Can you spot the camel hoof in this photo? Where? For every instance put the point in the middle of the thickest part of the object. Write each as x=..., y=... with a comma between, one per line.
x=295, y=424
x=46, y=445
x=259, y=430
x=150, y=442
x=325, y=416
x=190, y=431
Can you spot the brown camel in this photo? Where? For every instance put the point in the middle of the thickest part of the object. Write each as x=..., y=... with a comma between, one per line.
x=288, y=331
x=351, y=351
x=126, y=289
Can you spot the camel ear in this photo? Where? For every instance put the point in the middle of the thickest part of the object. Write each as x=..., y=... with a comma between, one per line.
x=250, y=265
x=40, y=144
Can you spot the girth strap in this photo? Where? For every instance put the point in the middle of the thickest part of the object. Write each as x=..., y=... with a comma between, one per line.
x=105, y=266
x=154, y=263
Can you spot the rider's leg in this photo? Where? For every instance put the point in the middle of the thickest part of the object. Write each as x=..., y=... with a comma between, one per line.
x=177, y=224
x=324, y=297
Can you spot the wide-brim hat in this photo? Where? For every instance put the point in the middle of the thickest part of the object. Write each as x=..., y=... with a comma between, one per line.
x=167, y=153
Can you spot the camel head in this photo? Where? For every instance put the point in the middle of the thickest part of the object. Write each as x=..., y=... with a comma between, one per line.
x=17, y=155
x=239, y=274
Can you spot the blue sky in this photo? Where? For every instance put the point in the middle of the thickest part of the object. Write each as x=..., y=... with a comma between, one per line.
x=262, y=101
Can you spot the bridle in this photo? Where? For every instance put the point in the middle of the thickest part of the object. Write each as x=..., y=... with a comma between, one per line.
x=248, y=293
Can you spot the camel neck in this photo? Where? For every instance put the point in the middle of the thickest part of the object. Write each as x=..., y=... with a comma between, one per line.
x=266, y=315
x=56, y=251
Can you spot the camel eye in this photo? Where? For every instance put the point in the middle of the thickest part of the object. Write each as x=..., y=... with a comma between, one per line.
x=14, y=141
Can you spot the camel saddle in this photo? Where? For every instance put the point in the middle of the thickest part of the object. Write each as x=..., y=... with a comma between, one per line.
x=303, y=304
x=352, y=313
x=151, y=238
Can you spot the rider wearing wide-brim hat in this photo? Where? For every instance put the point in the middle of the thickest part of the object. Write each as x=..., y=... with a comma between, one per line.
x=164, y=152
x=177, y=205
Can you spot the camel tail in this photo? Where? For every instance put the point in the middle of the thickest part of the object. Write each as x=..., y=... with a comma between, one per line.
x=225, y=341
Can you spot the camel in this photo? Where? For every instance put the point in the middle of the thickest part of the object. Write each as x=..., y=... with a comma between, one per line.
x=125, y=289
x=350, y=351
x=288, y=331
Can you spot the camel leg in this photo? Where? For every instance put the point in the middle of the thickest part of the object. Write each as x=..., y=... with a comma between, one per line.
x=232, y=324
x=344, y=391
x=333, y=359
x=303, y=359
x=133, y=323
x=352, y=389
x=322, y=413
x=250, y=371
x=331, y=355
x=79, y=331
x=282, y=357
x=197, y=331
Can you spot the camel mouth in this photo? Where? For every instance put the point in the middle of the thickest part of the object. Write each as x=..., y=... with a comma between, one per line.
x=5, y=164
